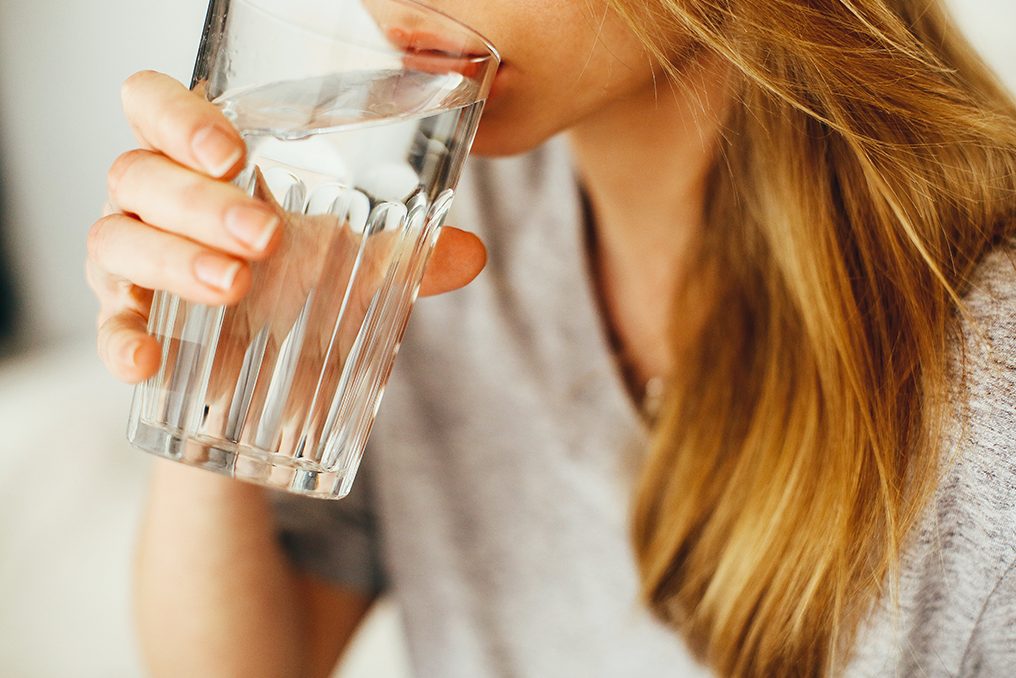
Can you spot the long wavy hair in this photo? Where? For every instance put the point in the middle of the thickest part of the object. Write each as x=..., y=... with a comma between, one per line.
x=866, y=167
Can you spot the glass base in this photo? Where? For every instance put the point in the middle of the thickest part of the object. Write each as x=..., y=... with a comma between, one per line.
x=243, y=463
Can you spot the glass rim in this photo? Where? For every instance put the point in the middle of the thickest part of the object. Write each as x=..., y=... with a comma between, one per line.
x=492, y=53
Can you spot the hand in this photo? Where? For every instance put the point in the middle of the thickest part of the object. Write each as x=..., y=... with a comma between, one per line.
x=173, y=222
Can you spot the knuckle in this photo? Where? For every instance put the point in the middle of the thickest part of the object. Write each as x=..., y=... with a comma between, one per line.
x=120, y=168
x=92, y=277
x=198, y=193
x=135, y=80
x=102, y=338
x=157, y=263
x=96, y=239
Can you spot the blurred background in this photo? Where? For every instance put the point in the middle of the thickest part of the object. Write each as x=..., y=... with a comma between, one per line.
x=70, y=485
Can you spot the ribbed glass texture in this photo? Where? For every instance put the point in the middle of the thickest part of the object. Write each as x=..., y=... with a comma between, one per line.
x=360, y=163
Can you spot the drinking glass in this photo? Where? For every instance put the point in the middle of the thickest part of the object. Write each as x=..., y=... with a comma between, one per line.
x=357, y=116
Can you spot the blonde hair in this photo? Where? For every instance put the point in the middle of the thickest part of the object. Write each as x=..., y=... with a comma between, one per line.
x=866, y=168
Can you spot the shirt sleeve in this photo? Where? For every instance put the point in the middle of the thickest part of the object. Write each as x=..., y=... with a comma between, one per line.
x=992, y=649
x=337, y=541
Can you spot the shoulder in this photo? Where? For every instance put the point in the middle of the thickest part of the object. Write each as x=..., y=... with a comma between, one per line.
x=957, y=586
x=982, y=465
x=977, y=493
x=988, y=317
x=967, y=544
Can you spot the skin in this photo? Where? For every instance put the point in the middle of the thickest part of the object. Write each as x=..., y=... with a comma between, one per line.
x=625, y=121
x=172, y=222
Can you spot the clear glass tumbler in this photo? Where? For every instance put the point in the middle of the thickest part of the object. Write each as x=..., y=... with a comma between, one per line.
x=357, y=115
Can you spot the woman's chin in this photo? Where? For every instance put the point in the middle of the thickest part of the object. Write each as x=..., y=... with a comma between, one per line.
x=495, y=138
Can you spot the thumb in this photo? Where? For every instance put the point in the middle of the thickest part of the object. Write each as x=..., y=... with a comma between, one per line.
x=457, y=259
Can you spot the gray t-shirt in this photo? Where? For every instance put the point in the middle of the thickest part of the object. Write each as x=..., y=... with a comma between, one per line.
x=494, y=497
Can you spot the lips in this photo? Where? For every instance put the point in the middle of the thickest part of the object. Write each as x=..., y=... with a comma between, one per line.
x=425, y=42
x=432, y=53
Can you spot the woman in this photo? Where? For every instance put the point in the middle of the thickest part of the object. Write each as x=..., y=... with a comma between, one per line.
x=761, y=291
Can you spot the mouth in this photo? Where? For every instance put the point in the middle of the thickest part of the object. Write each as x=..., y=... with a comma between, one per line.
x=432, y=53
x=431, y=44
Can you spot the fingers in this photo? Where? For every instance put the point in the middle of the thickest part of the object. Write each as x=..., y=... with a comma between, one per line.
x=149, y=258
x=176, y=199
x=166, y=116
x=458, y=258
x=125, y=348
x=116, y=294
x=204, y=222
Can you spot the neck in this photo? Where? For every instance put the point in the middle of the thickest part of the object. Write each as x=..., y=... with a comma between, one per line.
x=644, y=163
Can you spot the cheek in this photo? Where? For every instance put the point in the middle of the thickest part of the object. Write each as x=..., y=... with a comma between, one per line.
x=562, y=62
x=529, y=105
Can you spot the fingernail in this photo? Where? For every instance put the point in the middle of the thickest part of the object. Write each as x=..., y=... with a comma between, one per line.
x=253, y=226
x=216, y=271
x=215, y=150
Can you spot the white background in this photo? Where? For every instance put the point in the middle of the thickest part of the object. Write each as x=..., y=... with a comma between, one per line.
x=70, y=486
